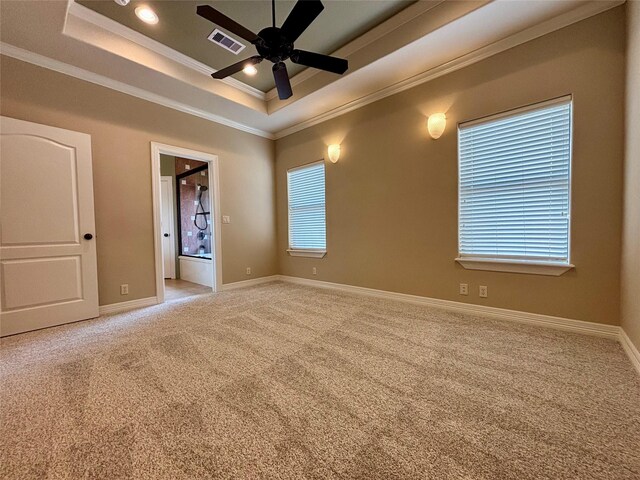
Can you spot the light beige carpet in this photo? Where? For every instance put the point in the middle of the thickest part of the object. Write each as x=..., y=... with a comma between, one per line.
x=282, y=381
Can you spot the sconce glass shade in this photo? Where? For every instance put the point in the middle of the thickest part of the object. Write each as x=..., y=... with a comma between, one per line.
x=334, y=153
x=436, y=124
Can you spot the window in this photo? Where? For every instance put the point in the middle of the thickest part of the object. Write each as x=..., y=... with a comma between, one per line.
x=514, y=190
x=307, y=218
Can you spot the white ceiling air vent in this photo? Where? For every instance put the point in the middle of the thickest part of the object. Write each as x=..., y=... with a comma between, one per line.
x=226, y=42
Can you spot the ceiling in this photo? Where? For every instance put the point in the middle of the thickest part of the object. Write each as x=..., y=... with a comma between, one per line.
x=180, y=28
x=419, y=42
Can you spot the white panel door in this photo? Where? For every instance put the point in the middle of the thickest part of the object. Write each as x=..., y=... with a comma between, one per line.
x=168, y=231
x=48, y=272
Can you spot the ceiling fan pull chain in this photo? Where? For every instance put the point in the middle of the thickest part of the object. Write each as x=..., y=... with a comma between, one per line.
x=273, y=12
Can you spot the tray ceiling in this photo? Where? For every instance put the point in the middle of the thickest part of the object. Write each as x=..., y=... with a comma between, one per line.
x=422, y=41
x=181, y=29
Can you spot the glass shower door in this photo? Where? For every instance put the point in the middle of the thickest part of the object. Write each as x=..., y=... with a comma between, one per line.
x=194, y=213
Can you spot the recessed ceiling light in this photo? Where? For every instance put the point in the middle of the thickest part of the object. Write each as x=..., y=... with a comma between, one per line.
x=250, y=70
x=147, y=15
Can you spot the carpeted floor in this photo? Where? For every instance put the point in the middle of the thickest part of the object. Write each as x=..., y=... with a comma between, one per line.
x=283, y=381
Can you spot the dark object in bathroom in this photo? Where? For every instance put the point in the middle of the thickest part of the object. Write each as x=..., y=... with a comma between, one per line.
x=200, y=211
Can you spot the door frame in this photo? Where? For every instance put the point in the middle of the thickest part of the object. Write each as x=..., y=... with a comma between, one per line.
x=172, y=225
x=214, y=198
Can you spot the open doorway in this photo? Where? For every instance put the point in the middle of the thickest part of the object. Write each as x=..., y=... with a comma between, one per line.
x=186, y=222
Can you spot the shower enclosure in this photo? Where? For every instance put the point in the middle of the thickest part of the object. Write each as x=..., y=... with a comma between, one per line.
x=194, y=213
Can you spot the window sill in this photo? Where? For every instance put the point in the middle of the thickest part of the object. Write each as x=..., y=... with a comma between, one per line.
x=554, y=269
x=307, y=253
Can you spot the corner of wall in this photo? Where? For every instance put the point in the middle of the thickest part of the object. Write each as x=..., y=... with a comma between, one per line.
x=630, y=257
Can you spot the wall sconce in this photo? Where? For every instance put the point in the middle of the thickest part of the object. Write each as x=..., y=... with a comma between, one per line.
x=334, y=152
x=436, y=124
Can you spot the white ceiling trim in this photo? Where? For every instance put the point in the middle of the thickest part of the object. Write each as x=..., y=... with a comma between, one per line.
x=379, y=31
x=116, y=28
x=65, y=68
x=585, y=11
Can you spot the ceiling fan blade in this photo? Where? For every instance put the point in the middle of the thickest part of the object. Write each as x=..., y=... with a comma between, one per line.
x=236, y=67
x=303, y=14
x=214, y=16
x=282, y=80
x=322, y=62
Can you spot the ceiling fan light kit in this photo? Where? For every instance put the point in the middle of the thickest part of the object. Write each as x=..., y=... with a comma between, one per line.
x=276, y=44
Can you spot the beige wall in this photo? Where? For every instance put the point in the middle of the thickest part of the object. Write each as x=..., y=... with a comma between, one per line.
x=121, y=129
x=392, y=197
x=631, y=221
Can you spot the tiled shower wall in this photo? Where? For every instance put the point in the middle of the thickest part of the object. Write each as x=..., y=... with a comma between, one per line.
x=188, y=203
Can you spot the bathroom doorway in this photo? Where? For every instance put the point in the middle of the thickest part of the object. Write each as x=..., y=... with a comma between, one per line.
x=186, y=222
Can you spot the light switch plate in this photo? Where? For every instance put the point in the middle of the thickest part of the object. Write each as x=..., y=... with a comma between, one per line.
x=189, y=234
x=183, y=182
x=187, y=167
x=226, y=219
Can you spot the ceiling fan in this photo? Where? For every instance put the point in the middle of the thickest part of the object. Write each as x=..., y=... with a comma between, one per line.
x=276, y=43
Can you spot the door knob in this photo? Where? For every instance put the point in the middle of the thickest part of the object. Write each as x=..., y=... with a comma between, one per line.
x=88, y=236
x=166, y=234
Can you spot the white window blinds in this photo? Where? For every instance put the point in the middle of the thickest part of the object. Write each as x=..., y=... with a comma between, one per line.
x=307, y=219
x=514, y=184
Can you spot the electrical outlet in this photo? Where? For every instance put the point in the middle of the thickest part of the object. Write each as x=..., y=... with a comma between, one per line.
x=248, y=270
x=124, y=289
x=314, y=270
x=483, y=291
x=464, y=289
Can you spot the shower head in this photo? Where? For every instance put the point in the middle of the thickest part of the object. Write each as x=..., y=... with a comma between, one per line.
x=203, y=188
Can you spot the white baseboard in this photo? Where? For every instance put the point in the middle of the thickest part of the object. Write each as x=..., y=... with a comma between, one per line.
x=577, y=326
x=566, y=324
x=249, y=283
x=630, y=348
x=122, y=306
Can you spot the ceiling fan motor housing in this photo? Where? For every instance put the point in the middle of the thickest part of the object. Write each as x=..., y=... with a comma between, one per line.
x=275, y=47
x=276, y=44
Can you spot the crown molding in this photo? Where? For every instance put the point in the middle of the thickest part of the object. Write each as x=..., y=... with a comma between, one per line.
x=88, y=15
x=584, y=11
x=401, y=18
x=65, y=68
